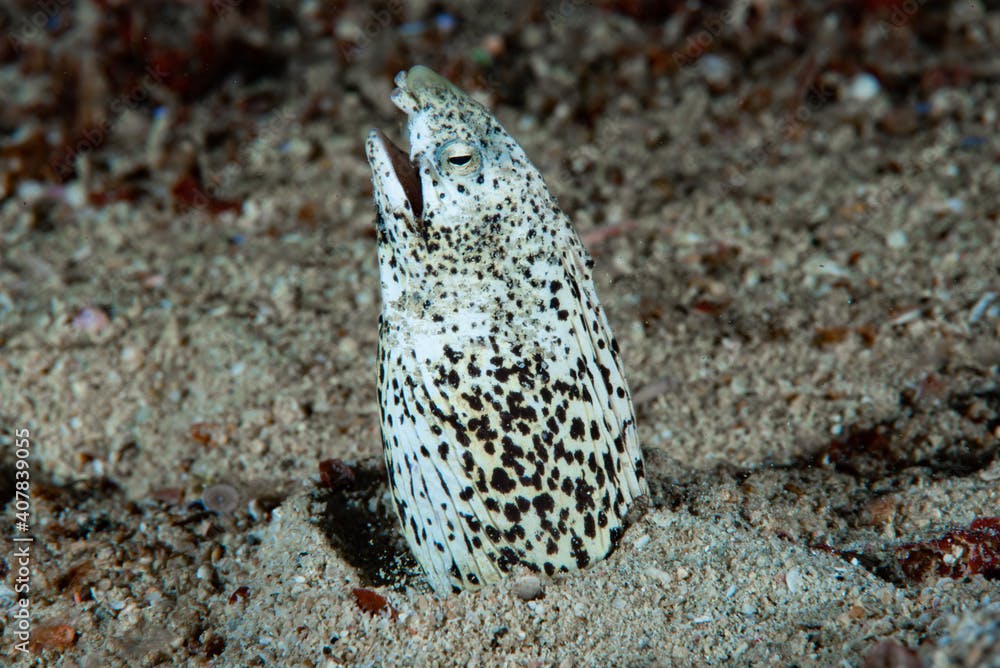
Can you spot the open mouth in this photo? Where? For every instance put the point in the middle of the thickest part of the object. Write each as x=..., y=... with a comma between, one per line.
x=406, y=173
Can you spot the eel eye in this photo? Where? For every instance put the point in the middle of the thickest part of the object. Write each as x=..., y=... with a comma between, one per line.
x=458, y=158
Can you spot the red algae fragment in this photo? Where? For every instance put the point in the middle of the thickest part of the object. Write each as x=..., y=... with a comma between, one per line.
x=336, y=474
x=211, y=433
x=241, y=593
x=189, y=193
x=372, y=602
x=58, y=637
x=959, y=553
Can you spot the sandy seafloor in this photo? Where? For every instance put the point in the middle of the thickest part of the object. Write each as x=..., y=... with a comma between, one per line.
x=804, y=286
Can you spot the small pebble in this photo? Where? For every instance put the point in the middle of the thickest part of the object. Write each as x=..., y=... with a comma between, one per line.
x=896, y=239
x=493, y=44
x=659, y=574
x=152, y=281
x=129, y=356
x=793, y=579
x=91, y=320
x=529, y=588
x=30, y=191
x=820, y=265
x=445, y=22
x=862, y=87
x=954, y=205
x=982, y=307
x=717, y=71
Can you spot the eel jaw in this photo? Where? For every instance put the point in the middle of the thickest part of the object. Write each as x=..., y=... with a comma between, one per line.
x=406, y=173
x=418, y=90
